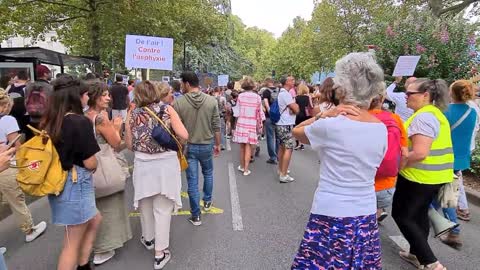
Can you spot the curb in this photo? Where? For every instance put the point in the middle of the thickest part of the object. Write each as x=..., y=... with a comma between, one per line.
x=473, y=196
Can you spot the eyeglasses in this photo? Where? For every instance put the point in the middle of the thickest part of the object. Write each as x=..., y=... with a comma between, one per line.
x=408, y=94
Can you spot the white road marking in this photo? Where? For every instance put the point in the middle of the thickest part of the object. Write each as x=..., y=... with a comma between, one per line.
x=236, y=211
x=401, y=242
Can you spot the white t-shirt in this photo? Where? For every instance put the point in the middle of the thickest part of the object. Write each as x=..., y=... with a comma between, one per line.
x=350, y=153
x=285, y=99
x=400, y=100
x=8, y=125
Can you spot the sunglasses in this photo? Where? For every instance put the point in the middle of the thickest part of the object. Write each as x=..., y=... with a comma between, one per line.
x=408, y=94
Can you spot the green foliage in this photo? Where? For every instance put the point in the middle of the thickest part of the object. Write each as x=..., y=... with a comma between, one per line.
x=444, y=45
x=475, y=159
x=395, y=28
x=98, y=27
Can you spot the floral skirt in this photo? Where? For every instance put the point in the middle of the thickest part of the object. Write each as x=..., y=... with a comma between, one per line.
x=351, y=243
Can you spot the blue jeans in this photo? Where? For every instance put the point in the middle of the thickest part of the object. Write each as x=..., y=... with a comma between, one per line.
x=272, y=143
x=450, y=214
x=202, y=153
x=223, y=131
x=3, y=266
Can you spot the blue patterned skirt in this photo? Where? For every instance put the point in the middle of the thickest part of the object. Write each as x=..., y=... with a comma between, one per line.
x=351, y=243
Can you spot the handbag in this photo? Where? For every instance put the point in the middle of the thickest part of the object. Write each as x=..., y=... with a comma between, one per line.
x=161, y=133
x=180, y=155
x=110, y=177
x=449, y=193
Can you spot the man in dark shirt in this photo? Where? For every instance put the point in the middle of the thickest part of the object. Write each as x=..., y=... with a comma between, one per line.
x=44, y=75
x=120, y=100
x=269, y=94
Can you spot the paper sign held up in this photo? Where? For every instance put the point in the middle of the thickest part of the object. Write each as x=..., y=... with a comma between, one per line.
x=222, y=80
x=406, y=65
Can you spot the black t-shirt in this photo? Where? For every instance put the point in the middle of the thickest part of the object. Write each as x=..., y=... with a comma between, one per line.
x=303, y=102
x=17, y=94
x=77, y=141
x=267, y=94
x=119, y=94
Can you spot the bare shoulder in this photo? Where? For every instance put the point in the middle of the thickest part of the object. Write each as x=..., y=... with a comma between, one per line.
x=101, y=118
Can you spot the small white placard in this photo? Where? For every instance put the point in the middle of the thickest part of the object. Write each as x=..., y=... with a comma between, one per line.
x=222, y=80
x=406, y=65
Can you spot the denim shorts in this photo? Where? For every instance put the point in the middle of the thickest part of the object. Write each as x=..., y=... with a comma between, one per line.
x=76, y=204
x=384, y=198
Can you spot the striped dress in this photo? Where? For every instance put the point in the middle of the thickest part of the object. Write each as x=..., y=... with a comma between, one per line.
x=250, y=118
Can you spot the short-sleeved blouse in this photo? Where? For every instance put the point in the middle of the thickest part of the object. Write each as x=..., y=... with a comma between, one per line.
x=142, y=125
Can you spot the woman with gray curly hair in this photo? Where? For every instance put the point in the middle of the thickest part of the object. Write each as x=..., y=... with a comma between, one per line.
x=342, y=231
x=429, y=167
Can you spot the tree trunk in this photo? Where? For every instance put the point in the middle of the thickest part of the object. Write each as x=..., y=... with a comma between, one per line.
x=94, y=29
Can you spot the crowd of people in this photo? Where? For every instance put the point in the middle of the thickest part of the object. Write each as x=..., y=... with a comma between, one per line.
x=370, y=158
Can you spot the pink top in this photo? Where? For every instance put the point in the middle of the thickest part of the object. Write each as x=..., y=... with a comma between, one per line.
x=250, y=118
x=293, y=92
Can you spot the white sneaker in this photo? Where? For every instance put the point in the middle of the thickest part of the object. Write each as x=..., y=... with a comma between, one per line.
x=240, y=168
x=149, y=245
x=3, y=250
x=286, y=179
x=37, y=231
x=100, y=258
x=161, y=261
x=247, y=173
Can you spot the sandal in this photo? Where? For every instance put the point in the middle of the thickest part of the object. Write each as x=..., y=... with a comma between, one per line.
x=410, y=258
x=433, y=266
x=463, y=215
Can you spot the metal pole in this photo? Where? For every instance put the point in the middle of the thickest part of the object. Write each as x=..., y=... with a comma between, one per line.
x=184, y=55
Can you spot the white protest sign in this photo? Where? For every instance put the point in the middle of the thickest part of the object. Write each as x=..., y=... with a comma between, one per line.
x=222, y=80
x=148, y=52
x=406, y=65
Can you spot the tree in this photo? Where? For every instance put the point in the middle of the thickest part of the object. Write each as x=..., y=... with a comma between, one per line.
x=447, y=47
x=450, y=7
x=98, y=27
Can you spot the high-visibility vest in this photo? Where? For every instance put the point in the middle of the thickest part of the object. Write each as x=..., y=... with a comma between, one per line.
x=437, y=167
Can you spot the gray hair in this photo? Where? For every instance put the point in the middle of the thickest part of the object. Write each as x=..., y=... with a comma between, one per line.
x=358, y=79
x=438, y=90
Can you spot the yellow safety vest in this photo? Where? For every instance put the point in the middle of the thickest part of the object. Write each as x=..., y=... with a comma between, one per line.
x=437, y=167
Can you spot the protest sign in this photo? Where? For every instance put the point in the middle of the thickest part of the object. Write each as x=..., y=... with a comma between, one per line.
x=148, y=52
x=406, y=65
x=222, y=80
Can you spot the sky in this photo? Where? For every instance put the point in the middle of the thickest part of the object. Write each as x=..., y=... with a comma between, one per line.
x=272, y=15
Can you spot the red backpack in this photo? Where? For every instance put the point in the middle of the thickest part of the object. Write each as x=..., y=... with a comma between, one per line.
x=36, y=101
x=391, y=162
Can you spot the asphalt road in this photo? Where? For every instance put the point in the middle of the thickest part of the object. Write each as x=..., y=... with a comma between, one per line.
x=263, y=232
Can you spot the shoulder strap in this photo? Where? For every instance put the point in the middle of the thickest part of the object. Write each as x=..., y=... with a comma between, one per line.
x=460, y=121
x=155, y=116
x=94, y=125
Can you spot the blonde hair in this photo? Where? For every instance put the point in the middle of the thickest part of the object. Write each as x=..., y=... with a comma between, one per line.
x=163, y=89
x=303, y=89
x=462, y=90
x=146, y=93
x=5, y=102
x=248, y=83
